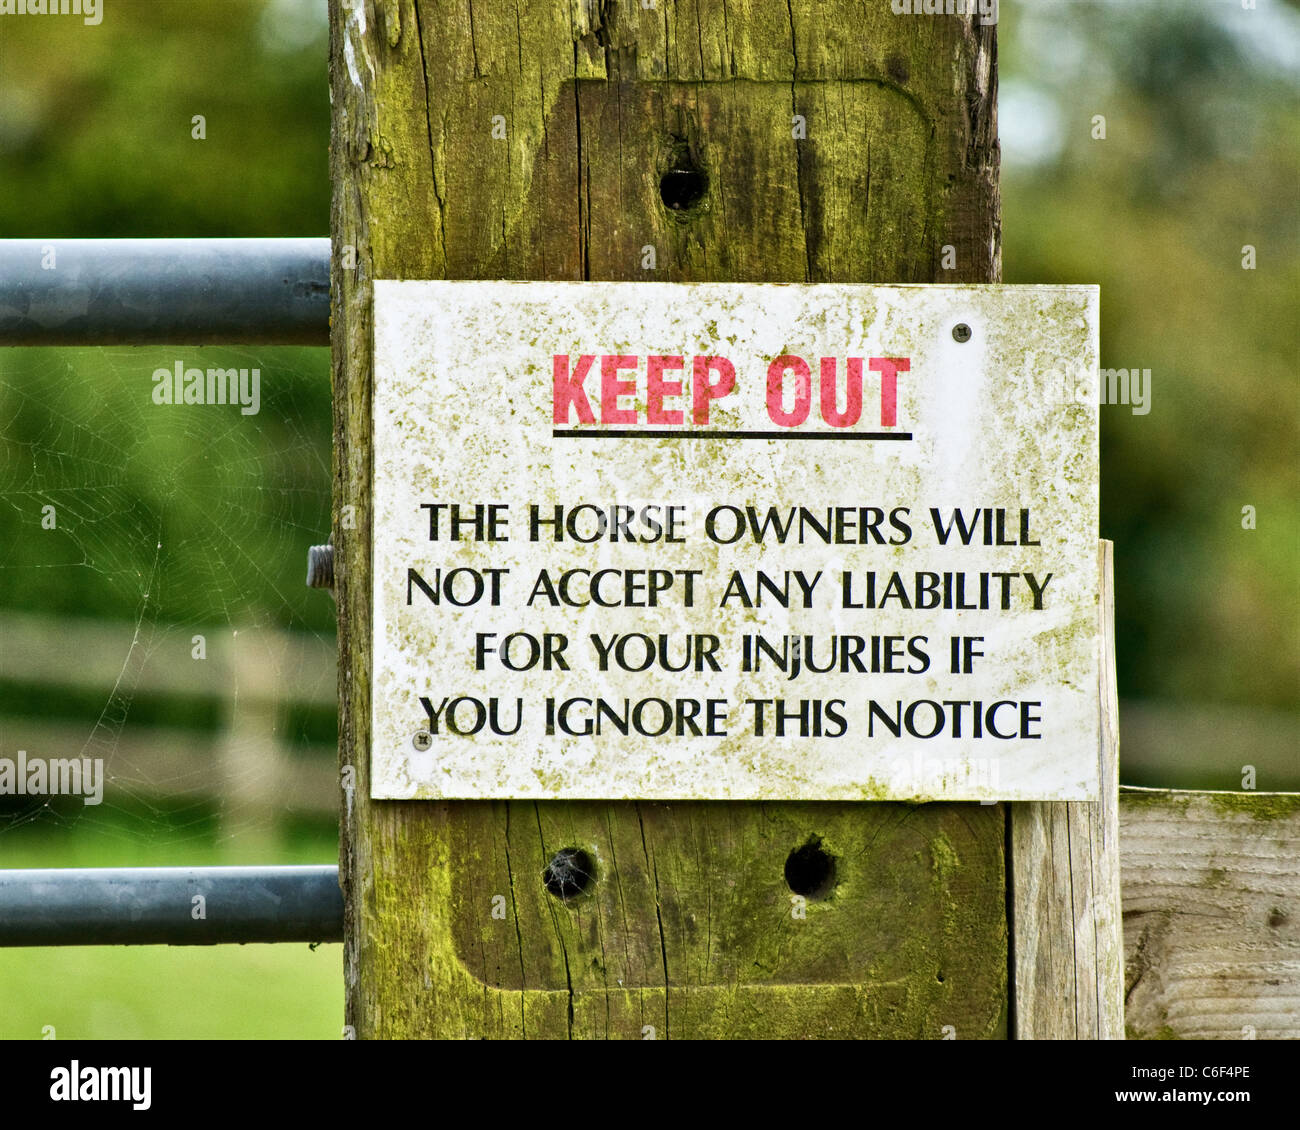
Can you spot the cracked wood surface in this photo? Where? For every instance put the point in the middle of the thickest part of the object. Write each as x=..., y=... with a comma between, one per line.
x=688, y=928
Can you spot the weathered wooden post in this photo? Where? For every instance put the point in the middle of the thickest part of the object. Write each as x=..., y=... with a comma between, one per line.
x=802, y=142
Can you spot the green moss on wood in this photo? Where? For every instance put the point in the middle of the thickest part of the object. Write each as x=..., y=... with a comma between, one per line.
x=688, y=931
x=1259, y=806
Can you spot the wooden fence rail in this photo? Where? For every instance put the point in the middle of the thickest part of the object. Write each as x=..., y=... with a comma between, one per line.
x=1211, y=889
x=253, y=676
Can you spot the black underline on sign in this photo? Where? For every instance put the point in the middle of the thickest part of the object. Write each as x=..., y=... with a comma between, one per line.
x=664, y=433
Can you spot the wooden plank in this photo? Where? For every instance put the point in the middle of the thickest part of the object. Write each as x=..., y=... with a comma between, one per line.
x=1211, y=914
x=119, y=656
x=254, y=674
x=152, y=761
x=1066, y=943
x=689, y=927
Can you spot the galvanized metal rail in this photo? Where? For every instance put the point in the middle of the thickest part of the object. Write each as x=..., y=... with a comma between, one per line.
x=177, y=906
x=164, y=291
x=174, y=292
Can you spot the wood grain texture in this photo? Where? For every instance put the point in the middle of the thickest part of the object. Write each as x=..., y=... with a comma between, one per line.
x=1066, y=940
x=1211, y=914
x=689, y=929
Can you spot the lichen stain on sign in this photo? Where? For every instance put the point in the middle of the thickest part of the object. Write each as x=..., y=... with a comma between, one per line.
x=735, y=541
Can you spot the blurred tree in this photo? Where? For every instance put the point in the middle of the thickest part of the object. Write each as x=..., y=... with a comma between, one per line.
x=180, y=514
x=1200, y=159
x=96, y=121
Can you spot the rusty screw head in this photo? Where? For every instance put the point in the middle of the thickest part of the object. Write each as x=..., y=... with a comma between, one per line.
x=961, y=332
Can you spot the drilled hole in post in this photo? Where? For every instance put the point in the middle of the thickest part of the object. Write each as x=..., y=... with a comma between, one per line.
x=569, y=873
x=683, y=185
x=682, y=189
x=810, y=870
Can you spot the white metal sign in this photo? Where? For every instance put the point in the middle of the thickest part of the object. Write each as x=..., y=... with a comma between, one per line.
x=735, y=541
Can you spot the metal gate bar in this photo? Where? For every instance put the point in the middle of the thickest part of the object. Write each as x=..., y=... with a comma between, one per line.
x=177, y=906
x=164, y=291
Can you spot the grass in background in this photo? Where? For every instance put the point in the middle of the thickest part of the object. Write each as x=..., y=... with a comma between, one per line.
x=283, y=991
x=172, y=992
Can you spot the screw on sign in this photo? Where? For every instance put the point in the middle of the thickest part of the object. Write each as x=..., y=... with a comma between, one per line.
x=422, y=740
x=492, y=613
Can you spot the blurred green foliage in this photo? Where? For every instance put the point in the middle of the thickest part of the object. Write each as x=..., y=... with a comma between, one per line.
x=95, y=122
x=192, y=515
x=201, y=517
x=1201, y=158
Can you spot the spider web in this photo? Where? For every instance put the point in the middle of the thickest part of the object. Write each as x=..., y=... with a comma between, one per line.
x=153, y=612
